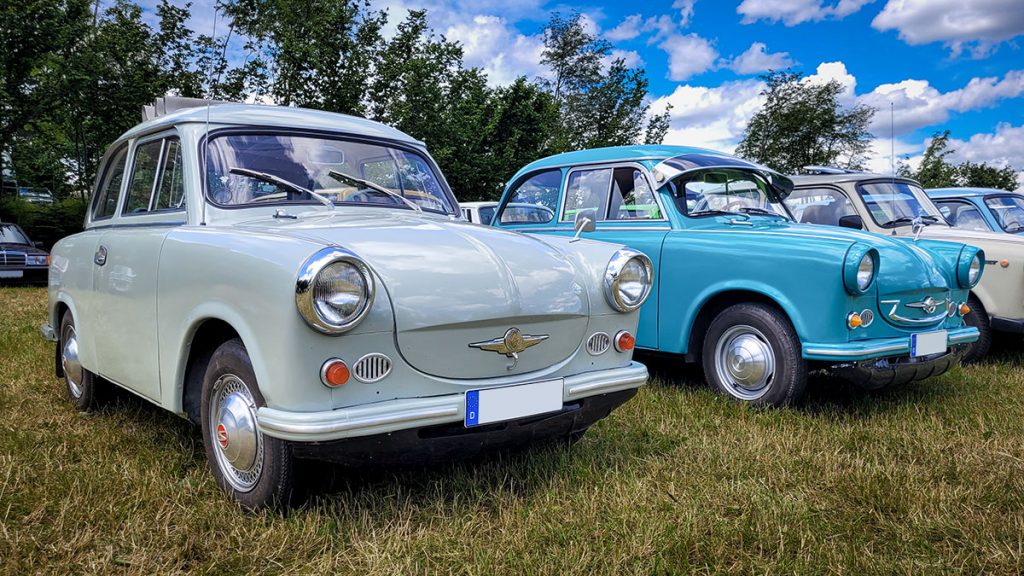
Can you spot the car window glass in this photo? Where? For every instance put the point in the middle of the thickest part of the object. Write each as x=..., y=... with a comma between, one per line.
x=171, y=186
x=10, y=234
x=486, y=214
x=534, y=200
x=896, y=203
x=632, y=197
x=714, y=191
x=962, y=215
x=587, y=190
x=1009, y=212
x=140, y=187
x=110, y=188
x=819, y=206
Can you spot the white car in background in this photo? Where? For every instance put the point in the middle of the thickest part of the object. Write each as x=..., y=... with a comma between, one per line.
x=483, y=212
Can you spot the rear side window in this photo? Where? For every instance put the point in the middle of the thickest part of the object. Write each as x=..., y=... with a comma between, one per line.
x=157, y=182
x=110, y=187
x=144, y=171
x=170, y=188
x=534, y=200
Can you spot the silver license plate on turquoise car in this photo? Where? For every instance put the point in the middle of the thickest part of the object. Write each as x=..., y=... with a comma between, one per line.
x=927, y=343
x=511, y=402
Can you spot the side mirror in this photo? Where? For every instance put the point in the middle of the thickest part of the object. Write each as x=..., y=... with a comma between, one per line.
x=586, y=221
x=852, y=221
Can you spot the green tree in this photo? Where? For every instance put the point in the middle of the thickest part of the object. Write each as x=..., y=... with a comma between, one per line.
x=936, y=171
x=804, y=123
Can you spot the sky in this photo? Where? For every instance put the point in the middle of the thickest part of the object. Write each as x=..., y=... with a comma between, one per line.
x=926, y=65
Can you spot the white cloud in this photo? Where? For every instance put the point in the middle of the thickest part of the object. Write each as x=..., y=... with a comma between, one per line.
x=489, y=42
x=793, y=12
x=757, y=59
x=711, y=117
x=917, y=104
x=975, y=25
x=685, y=8
x=688, y=55
x=1003, y=147
x=629, y=57
x=628, y=29
x=829, y=71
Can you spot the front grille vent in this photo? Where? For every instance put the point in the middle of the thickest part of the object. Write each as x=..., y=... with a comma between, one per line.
x=372, y=368
x=598, y=343
x=12, y=258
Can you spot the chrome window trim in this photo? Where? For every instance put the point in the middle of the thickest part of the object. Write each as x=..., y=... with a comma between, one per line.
x=564, y=191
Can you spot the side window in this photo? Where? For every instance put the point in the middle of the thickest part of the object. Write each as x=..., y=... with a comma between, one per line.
x=144, y=169
x=963, y=215
x=110, y=188
x=534, y=201
x=587, y=190
x=632, y=197
x=171, y=185
x=819, y=206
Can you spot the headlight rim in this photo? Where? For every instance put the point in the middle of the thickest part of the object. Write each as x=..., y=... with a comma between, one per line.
x=306, y=280
x=964, y=266
x=613, y=271
x=851, y=266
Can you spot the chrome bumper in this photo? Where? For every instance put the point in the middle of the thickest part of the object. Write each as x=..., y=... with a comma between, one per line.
x=879, y=347
x=394, y=415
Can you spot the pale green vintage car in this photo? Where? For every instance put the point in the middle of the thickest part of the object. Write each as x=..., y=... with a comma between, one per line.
x=299, y=284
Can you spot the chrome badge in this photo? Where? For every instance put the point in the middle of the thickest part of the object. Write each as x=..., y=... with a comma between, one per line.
x=511, y=344
x=929, y=305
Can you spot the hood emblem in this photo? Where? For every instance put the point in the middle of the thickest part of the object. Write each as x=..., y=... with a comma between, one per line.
x=929, y=305
x=511, y=344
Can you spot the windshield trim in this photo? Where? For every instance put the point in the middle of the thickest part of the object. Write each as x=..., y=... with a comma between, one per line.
x=327, y=134
x=859, y=187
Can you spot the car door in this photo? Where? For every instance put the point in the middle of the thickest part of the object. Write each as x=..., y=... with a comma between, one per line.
x=628, y=212
x=126, y=264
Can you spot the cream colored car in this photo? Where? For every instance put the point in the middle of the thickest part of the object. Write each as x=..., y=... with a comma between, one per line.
x=900, y=207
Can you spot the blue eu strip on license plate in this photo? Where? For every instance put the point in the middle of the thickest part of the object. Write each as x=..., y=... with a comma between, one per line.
x=472, y=408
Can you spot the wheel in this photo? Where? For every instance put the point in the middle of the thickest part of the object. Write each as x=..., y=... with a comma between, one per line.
x=87, y=391
x=752, y=353
x=256, y=470
x=978, y=318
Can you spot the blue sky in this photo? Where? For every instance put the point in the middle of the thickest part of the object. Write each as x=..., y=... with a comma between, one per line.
x=940, y=64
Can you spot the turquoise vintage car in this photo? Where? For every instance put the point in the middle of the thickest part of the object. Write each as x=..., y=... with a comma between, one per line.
x=980, y=209
x=756, y=297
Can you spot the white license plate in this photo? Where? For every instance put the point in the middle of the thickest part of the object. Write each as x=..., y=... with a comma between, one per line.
x=11, y=273
x=927, y=343
x=498, y=404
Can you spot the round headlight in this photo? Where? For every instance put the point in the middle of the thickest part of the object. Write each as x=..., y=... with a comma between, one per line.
x=628, y=280
x=974, y=272
x=865, y=272
x=970, y=266
x=334, y=291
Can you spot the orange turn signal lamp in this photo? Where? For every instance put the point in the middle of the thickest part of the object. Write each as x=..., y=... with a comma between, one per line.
x=624, y=341
x=964, y=309
x=854, y=320
x=334, y=373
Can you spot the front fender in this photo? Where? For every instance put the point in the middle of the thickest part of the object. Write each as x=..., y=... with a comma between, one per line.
x=790, y=308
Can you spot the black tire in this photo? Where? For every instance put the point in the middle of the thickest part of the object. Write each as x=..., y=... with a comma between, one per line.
x=266, y=478
x=87, y=391
x=978, y=318
x=761, y=332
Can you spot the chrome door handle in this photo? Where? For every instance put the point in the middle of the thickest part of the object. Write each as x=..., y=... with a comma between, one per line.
x=101, y=256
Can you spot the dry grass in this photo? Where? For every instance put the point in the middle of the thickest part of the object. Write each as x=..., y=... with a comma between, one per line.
x=924, y=479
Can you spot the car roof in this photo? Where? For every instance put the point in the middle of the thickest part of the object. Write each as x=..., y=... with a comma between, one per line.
x=271, y=116
x=962, y=192
x=812, y=179
x=615, y=154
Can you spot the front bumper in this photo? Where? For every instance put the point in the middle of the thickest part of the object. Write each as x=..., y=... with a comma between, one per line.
x=405, y=414
x=878, y=347
x=876, y=374
x=28, y=276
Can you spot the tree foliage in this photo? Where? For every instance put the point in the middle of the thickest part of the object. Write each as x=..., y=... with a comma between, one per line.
x=936, y=171
x=805, y=123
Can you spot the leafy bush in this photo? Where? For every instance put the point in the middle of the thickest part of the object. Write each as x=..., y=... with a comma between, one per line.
x=46, y=223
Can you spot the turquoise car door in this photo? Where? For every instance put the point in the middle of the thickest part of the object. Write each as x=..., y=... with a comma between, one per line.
x=627, y=208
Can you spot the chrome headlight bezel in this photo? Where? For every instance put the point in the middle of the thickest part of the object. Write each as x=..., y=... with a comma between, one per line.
x=969, y=267
x=612, y=277
x=305, y=293
x=857, y=257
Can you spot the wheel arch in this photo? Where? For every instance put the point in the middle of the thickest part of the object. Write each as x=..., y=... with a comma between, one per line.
x=715, y=301
x=203, y=336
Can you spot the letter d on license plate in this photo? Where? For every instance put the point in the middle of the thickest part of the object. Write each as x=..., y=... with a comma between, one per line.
x=927, y=343
x=510, y=402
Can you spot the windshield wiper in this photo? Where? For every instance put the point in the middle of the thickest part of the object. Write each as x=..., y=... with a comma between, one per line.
x=757, y=210
x=372, y=186
x=271, y=179
x=710, y=213
x=926, y=220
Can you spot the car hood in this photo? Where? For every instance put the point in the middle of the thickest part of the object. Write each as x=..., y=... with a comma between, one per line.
x=452, y=284
x=25, y=248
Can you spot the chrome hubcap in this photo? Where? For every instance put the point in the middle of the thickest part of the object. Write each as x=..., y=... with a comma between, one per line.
x=69, y=361
x=237, y=443
x=745, y=362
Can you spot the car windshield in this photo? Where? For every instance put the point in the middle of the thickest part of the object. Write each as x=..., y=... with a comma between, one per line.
x=11, y=234
x=718, y=191
x=1009, y=212
x=895, y=203
x=241, y=169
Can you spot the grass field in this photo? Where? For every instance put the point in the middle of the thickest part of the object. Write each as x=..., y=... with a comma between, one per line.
x=922, y=479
